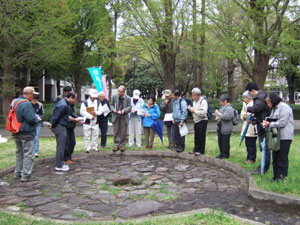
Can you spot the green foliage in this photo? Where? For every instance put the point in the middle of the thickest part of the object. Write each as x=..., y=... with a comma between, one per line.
x=145, y=78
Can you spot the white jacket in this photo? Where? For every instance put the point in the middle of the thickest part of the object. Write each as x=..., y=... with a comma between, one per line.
x=244, y=115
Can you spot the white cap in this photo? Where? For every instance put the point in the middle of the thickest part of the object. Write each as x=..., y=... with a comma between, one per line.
x=136, y=94
x=93, y=93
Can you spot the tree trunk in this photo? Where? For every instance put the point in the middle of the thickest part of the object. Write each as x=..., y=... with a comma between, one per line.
x=291, y=86
x=195, y=50
x=78, y=85
x=8, y=80
x=260, y=69
x=230, y=77
x=168, y=61
x=202, y=45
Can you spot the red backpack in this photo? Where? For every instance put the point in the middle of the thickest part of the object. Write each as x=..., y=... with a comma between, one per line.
x=12, y=123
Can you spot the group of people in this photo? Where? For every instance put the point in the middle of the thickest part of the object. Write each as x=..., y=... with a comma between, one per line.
x=131, y=114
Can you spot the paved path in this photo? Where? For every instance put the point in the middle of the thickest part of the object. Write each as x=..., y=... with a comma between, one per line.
x=211, y=127
x=105, y=187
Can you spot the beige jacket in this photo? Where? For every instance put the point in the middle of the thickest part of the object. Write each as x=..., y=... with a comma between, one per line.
x=251, y=129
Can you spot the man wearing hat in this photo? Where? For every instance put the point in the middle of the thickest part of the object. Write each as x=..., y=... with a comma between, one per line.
x=90, y=127
x=167, y=107
x=25, y=138
x=135, y=126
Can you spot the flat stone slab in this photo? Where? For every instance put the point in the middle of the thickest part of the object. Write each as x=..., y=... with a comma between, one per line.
x=140, y=208
x=113, y=186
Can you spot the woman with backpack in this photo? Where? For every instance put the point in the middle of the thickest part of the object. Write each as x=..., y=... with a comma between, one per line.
x=152, y=114
x=225, y=125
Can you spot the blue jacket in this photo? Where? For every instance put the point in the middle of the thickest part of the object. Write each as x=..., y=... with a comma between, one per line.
x=180, y=114
x=154, y=115
x=25, y=115
x=61, y=113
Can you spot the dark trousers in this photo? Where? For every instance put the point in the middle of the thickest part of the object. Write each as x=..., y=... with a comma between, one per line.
x=103, y=126
x=179, y=141
x=224, y=144
x=120, y=131
x=251, y=148
x=70, y=144
x=280, y=160
x=261, y=138
x=200, y=136
x=61, y=139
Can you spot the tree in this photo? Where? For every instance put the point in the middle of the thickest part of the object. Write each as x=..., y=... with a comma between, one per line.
x=144, y=78
x=289, y=61
x=259, y=33
x=31, y=33
x=90, y=24
x=161, y=25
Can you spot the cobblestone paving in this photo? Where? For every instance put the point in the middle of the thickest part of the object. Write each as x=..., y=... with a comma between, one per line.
x=120, y=186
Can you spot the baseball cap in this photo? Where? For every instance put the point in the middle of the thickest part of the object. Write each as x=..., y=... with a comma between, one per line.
x=167, y=92
x=30, y=90
x=93, y=93
x=136, y=94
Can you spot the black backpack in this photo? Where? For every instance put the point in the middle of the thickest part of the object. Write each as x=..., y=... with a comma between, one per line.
x=188, y=102
x=236, y=118
x=209, y=113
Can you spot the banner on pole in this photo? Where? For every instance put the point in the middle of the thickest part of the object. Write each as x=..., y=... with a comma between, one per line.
x=104, y=86
x=96, y=74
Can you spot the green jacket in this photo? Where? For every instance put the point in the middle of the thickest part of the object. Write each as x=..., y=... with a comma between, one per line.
x=26, y=116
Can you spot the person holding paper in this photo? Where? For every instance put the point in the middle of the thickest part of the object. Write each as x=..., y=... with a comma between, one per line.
x=225, y=125
x=39, y=112
x=120, y=106
x=167, y=108
x=135, y=126
x=180, y=113
x=71, y=139
x=103, y=113
x=153, y=114
x=199, y=111
x=90, y=127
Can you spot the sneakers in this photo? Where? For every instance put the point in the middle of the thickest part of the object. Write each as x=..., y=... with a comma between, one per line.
x=87, y=151
x=36, y=155
x=197, y=153
x=116, y=148
x=96, y=150
x=26, y=179
x=64, y=168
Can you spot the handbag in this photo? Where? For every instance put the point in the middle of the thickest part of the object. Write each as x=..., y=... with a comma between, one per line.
x=273, y=139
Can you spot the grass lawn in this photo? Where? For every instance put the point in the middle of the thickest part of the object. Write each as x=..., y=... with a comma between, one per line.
x=211, y=218
x=289, y=186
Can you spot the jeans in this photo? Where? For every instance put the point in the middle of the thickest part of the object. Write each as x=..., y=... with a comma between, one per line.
x=103, y=126
x=61, y=139
x=200, y=136
x=70, y=144
x=261, y=138
x=281, y=160
x=251, y=148
x=24, y=157
x=36, y=138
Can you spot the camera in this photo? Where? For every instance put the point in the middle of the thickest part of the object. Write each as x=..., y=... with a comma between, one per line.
x=255, y=121
x=271, y=119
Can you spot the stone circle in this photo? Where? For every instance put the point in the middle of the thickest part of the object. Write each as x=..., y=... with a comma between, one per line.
x=108, y=186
